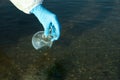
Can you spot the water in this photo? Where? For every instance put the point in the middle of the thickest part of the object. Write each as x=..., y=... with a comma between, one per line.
x=88, y=49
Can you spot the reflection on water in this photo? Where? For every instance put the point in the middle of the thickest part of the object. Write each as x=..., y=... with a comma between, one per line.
x=87, y=50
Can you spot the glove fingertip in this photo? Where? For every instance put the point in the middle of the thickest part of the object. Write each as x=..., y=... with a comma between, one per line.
x=45, y=33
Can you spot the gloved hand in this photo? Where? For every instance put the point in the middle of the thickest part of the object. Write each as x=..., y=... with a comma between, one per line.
x=48, y=20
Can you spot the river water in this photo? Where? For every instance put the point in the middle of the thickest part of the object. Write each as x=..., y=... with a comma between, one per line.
x=88, y=49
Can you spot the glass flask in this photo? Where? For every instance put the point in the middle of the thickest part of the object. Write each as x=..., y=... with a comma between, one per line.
x=40, y=41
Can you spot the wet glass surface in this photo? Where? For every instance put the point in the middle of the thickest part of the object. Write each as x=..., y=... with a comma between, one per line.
x=88, y=49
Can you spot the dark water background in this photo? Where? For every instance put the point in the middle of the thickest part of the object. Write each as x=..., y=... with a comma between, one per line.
x=88, y=49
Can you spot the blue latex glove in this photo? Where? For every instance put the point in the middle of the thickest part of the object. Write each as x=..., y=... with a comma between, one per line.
x=48, y=20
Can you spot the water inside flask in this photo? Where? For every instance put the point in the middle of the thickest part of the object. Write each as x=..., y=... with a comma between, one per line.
x=39, y=40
